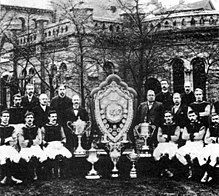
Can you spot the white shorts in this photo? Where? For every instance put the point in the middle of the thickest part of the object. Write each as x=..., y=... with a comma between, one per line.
x=169, y=148
x=190, y=148
x=55, y=148
x=33, y=151
x=210, y=151
x=8, y=152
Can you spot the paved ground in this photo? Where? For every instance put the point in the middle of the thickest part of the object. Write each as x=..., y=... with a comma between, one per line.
x=142, y=186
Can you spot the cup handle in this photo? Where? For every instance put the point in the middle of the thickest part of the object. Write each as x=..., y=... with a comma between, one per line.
x=136, y=132
x=70, y=126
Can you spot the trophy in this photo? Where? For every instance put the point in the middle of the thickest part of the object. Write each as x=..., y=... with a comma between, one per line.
x=93, y=157
x=114, y=155
x=145, y=131
x=78, y=128
x=133, y=157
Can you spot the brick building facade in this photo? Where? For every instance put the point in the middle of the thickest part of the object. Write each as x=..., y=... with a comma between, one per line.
x=47, y=49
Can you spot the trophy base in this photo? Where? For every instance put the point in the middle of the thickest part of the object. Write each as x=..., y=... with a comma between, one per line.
x=145, y=154
x=92, y=177
x=133, y=175
x=115, y=175
x=80, y=154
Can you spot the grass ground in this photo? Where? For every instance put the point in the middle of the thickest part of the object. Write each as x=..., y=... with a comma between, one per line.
x=150, y=186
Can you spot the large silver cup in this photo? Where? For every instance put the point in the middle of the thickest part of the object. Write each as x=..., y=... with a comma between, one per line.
x=93, y=157
x=145, y=133
x=79, y=127
x=145, y=130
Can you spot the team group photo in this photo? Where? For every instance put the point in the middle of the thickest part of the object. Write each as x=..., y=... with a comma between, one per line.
x=110, y=97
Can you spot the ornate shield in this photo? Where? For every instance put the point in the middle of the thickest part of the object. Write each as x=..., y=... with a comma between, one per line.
x=114, y=107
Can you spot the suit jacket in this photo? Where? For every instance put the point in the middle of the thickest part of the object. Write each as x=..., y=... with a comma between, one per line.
x=40, y=116
x=82, y=113
x=61, y=105
x=153, y=115
x=71, y=139
x=16, y=114
x=180, y=116
x=166, y=99
x=28, y=106
x=188, y=98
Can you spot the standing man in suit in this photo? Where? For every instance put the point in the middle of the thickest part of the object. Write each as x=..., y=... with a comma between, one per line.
x=179, y=111
x=41, y=111
x=165, y=96
x=61, y=103
x=180, y=117
x=73, y=114
x=151, y=112
x=188, y=95
x=29, y=101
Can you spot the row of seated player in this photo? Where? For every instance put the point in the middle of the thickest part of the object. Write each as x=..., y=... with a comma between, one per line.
x=201, y=145
x=43, y=148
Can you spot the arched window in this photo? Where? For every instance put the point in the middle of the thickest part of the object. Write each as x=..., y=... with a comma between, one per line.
x=31, y=71
x=109, y=67
x=211, y=20
x=22, y=23
x=202, y=21
x=63, y=67
x=111, y=28
x=104, y=26
x=62, y=29
x=199, y=76
x=34, y=23
x=183, y=22
x=158, y=25
x=193, y=21
x=166, y=24
x=178, y=74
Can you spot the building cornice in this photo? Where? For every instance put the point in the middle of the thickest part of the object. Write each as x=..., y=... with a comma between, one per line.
x=27, y=9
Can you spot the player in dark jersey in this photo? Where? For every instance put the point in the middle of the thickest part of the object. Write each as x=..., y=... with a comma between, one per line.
x=209, y=155
x=193, y=133
x=168, y=135
x=9, y=155
x=53, y=141
x=203, y=108
x=30, y=139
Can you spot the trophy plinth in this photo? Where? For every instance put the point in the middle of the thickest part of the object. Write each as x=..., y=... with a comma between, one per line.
x=93, y=157
x=78, y=128
x=133, y=157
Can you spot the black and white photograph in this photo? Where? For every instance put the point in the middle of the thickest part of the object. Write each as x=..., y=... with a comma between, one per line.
x=109, y=97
